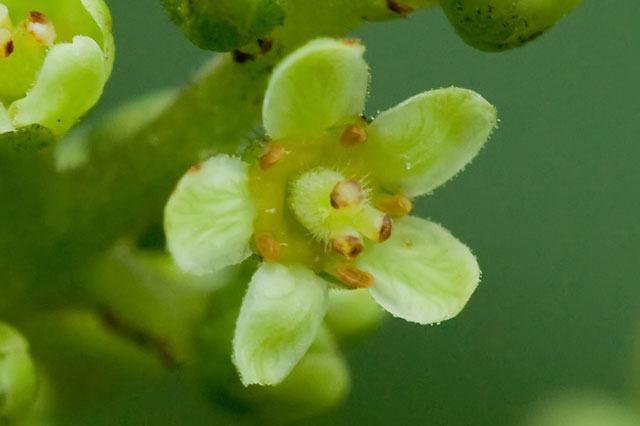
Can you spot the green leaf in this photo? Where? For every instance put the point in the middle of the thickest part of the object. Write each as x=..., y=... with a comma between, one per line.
x=209, y=218
x=320, y=85
x=17, y=374
x=496, y=25
x=422, y=273
x=69, y=84
x=424, y=141
x=279, y=319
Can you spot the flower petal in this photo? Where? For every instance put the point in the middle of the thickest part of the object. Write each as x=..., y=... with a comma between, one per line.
x=69, y=84
x=352, y=313
x=422, y=273
x=280, y=316
x=320, y=85
x=209, y=218
x=423, y=142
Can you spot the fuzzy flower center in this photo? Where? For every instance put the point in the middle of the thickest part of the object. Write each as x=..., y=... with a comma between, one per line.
x=318, y=205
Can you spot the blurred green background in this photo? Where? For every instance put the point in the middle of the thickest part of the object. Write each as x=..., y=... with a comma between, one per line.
x=550, y=208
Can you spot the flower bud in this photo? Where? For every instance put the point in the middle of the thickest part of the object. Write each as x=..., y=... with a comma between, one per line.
x=17, y=374
x=224, y=25
x=504, y=24
x=55, y=58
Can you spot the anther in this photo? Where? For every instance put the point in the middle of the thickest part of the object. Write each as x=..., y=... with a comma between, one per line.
x=265, y=45
x=6, y=44
x=385, y=229
x=194, y=170
x=271, y=157
x=353, y=277
x=348, y=246
x=346, y=193
x=395, y=205
x=354, y=135
x=40, y=27
x=268, y=247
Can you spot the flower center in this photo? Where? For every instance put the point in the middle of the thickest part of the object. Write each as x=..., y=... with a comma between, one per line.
x=22, y=50
x=317, y=204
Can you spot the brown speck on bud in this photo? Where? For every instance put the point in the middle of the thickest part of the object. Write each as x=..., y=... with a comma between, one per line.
x=272, y=155
x=395, y=205
x=41, y=28
x=194, y=170
x=385, y=229
x=268, y=247
x=353, y=277
x=346, y=193
x=400, y=8
x=242, y=57
x=265, y=45
x=348, y=246
x=6, y=44
x=353, y=135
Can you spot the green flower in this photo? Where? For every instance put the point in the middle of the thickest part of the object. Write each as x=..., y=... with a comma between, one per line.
x=17, y=374
x=55, y=58
x=325, y=206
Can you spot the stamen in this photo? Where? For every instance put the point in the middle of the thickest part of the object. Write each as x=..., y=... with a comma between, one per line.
x=395, y=205
x=271, y=157
x=348, y=246
x=346, y=193
x=40, y=27
x=353, y=277
x=385, y=229
x=374, y=224
x=354, y=135
x=6, y=44
x=268, y=247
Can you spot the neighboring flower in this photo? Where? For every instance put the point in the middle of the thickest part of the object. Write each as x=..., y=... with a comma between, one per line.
x=496, y=25
x=55, y=58
x=325, y=205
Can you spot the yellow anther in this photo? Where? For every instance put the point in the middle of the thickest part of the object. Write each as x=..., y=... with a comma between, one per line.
x=272, y=155
x=395, y=205
x=41, y=28
x=373, y=224
x=268, y=247
x=348, y=246
x=354, y=135
x=346, y=194
x=353, y=277
x=6, y=44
